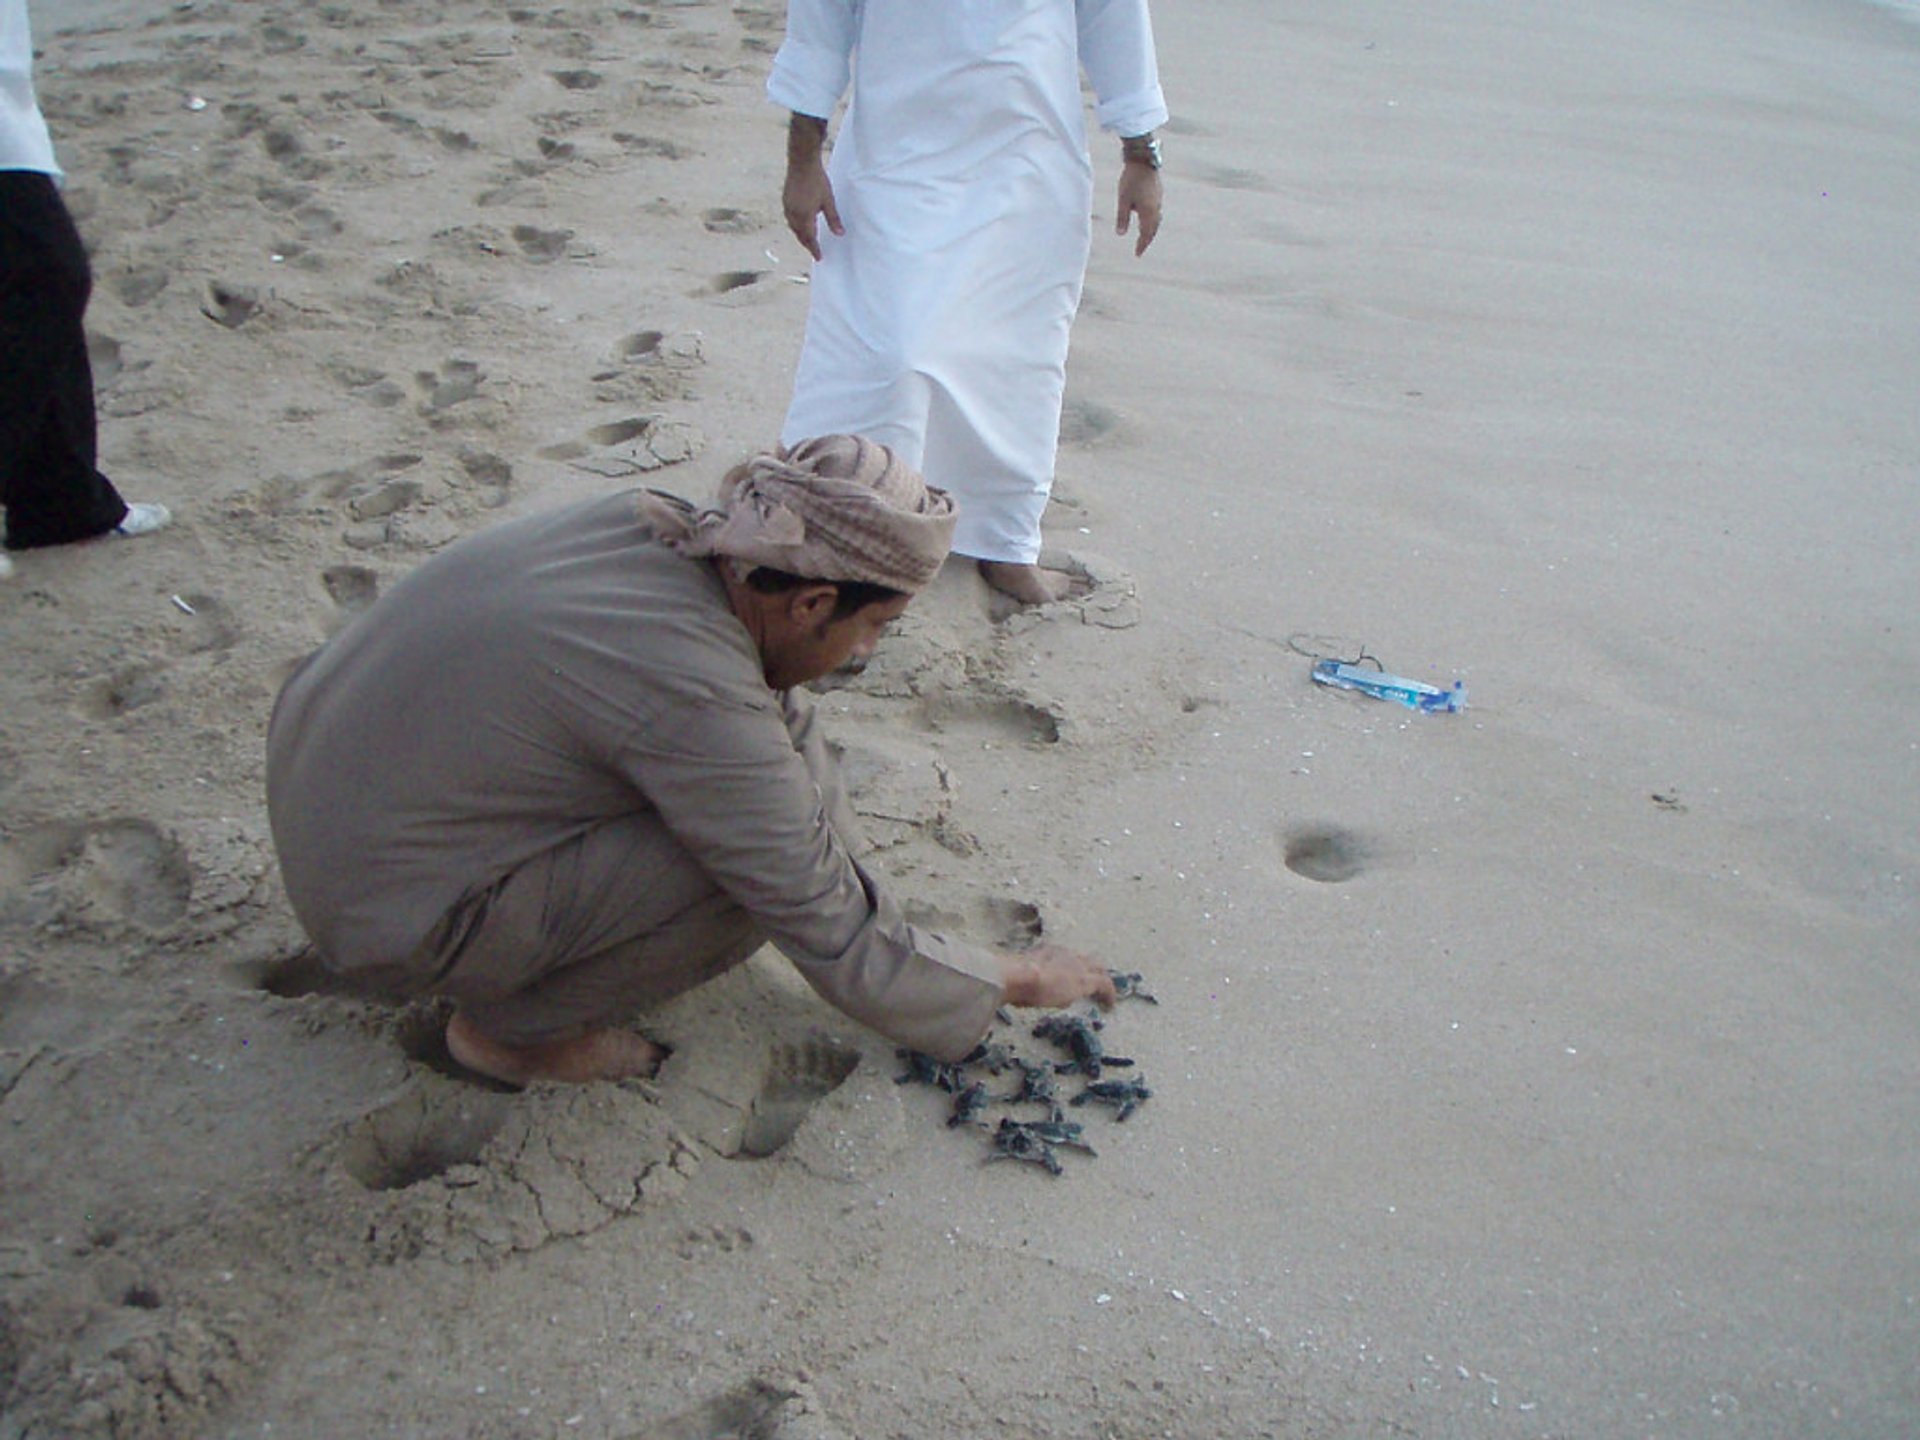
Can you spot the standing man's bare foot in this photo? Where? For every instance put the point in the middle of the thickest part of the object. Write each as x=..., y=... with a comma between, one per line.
x=1029, y=584
x=596, y=1055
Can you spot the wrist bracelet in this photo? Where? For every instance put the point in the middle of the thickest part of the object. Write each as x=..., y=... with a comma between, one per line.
x=1141, y=150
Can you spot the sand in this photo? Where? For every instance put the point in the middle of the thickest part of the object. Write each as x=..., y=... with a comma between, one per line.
x=1542, y=1070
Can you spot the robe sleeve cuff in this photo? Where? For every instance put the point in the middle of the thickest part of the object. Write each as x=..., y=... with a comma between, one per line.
x=808, y=79
x=1134, y=114
x=919, y=989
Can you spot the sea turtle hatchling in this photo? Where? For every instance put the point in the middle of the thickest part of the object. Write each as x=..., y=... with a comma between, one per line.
x=968, y=1104
x=1076, y=1035
x=1013, y=1141
x=1126, y=1096
x=991, y=1056
x=1036, y=1087
x=1053, y=1132
x=923, y=1069
x=1131, y=986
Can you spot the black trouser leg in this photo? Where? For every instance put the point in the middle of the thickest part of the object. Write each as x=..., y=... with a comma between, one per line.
x=49, y=480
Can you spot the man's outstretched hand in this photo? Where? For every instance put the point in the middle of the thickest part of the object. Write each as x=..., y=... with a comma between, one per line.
x=808, y=194
x=1052, y=977
x=1141, y=195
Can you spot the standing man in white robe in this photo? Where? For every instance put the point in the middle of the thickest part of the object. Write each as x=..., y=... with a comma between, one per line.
x=957, y=207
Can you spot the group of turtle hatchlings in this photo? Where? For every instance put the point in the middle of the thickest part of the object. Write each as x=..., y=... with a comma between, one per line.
x=1037, y=1141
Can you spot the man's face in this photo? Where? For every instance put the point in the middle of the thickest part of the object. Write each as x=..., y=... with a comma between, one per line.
x=815, y=645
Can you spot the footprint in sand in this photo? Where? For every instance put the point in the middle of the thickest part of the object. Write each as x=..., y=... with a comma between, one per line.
x=798, y=1077
x=277, y=39
x=431, y=1128
x=375, y=488
x=1089, y=423
x=139, y=285
x=281, y=197
x=541, y=246
x=998, y=920
x=991, y=720
x=454, y=383
x=759, y=19
x=290, y=975
x=203, y=623
x=287, y=148
x=661, y=95
x=635, y=445
x=360, y=485
x=126, y=688
x=640, y=346
x=758, y=1410
x=352, y=588
x=618, y=432
x=94, y=875
x=490, y=476
x=724, y=221
x=655, y=145
x=281, y=143
x=577, y=79
x=1225, y=177
x=651, y=366
x=378, y=499
x=1325, y=853
x=229, y=304
x=735, y=288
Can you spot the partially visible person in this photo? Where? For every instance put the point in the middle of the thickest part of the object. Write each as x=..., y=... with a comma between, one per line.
x=957, y=208
x=50, y=482
x=565, y=771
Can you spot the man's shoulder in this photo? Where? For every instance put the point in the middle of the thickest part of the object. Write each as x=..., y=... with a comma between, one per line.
x=648, y=608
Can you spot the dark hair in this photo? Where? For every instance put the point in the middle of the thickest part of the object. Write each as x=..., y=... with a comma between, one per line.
x=854, y=594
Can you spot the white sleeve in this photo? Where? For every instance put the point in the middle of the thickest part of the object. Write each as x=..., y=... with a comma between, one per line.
x=1116, y=50
x=811, y=70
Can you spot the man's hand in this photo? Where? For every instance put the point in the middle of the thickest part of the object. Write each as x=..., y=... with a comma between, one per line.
x=1140, y=194
x=1051, y=977
x=808, y=194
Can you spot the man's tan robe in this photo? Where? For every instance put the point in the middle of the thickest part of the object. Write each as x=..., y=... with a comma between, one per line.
x=545, y=775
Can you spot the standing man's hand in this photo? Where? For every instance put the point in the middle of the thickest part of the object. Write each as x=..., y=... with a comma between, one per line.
x=808, y=194
x=1051, y=977
x=1140, y=190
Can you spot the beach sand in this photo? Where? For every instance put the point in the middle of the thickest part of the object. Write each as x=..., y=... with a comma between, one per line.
x=1542, y=1070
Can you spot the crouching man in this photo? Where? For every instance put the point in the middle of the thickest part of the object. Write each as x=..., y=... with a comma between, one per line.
x=564, y=771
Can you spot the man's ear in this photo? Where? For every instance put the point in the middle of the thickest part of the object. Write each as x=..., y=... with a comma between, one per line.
x=810, y=606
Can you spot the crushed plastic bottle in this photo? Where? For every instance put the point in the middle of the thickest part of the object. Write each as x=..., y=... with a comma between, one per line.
x=1414, y=694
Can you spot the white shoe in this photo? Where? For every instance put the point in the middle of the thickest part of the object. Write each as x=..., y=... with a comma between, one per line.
x=143, y=518
x=6, y=565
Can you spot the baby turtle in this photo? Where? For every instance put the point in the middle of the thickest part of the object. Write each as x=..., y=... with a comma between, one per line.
x=992, y=1056
x=1075, y=1034
x=1126, y=1096
x=1036, y=1087
x=968, y=1104
x=923, y=1069
x=1131, y=986
x=1014, y=1140
x=1052, y=1132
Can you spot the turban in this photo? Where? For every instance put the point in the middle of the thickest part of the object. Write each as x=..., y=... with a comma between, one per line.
x=839, y=508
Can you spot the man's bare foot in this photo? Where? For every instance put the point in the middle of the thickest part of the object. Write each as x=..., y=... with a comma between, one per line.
x=596, y=1055
x=1029, y=584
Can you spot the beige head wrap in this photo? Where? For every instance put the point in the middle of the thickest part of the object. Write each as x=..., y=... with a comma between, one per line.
x=837, y=508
